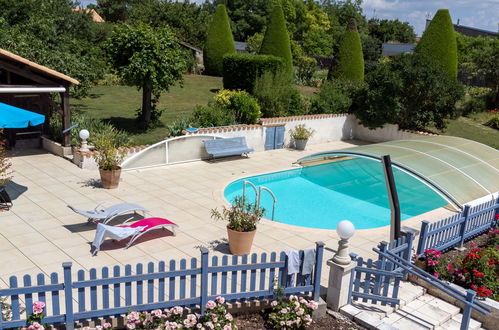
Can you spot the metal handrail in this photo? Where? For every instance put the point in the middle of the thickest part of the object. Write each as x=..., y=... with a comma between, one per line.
x=257, y=195
x=271, y=194
x=454, y=293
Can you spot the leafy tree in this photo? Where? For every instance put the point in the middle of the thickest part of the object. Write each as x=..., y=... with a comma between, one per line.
x=391, y=30
x=117, y=10
x=149, y=59
x=350, y=59
x=52, y=34
x=276, y=40
x=411, y=91
x=254, y=43
x=219, y=42
x=439, y=42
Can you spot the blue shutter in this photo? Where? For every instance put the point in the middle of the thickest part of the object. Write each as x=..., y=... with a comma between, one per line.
x=269, y=138
x=279, y=137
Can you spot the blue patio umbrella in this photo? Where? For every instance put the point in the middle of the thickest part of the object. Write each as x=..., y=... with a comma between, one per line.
x=13, y=117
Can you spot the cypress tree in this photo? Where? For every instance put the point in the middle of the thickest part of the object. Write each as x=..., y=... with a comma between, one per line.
x=439, y=42
x=219, y=42
x=276, y=40
x=350, y=58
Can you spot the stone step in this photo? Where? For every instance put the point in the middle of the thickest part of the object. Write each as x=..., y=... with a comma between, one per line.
x=455, y=324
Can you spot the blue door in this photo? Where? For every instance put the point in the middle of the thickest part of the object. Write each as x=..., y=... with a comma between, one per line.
x=274, y=137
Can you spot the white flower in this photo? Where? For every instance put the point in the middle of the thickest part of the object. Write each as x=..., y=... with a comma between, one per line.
x=273, y=304
x=229, y=317
x=220, y=299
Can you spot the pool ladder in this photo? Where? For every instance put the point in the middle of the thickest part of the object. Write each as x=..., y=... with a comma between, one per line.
x=258, y=193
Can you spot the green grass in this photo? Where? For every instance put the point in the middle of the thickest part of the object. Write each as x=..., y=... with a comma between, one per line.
x=472, y=128
x=118, y=104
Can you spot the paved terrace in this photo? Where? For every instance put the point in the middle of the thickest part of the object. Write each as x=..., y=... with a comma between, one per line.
x=40, y=232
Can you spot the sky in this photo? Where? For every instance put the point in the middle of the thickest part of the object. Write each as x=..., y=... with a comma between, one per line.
x=482, y=14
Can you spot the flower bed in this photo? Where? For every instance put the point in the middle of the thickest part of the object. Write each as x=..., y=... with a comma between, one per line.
x=476, y=268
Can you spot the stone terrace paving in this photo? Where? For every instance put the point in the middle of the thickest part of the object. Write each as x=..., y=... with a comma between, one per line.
x=40, y=232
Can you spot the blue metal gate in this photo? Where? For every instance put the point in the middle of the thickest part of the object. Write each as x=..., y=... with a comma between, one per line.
x=274, y=137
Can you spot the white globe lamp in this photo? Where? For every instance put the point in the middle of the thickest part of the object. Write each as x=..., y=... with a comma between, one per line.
x=84, y=134
x=345, y=230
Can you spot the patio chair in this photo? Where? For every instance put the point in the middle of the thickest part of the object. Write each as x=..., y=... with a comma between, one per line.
x=132, y=231
x=105, y=215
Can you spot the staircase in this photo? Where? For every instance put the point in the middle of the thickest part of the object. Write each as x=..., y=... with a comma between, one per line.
x=417, y=310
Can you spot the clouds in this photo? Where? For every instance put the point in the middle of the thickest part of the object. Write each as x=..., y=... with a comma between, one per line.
x=483, y=14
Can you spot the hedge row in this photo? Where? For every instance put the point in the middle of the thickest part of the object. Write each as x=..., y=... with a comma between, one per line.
x=241, y=70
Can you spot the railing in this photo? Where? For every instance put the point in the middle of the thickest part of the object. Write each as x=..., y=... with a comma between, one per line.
x=454, y=230
x=92, y=296
x=467, y=299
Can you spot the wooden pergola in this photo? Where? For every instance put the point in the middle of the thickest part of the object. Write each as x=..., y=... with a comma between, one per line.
x=28, y=85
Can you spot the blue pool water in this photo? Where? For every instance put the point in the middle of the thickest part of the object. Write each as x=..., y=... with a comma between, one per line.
x=320, y=196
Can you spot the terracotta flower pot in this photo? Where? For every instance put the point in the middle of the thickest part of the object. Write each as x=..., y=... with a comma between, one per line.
x=110, y=178
x=300, y=144
x=240, y=242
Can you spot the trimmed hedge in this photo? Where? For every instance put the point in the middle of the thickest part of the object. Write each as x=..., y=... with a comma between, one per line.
x=219, y=42
x=241, y=70
x=350, y=58
x=439, y=42
x=276, y=40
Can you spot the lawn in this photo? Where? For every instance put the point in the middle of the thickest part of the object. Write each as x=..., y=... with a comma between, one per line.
x=471, y=128
x=118, y=104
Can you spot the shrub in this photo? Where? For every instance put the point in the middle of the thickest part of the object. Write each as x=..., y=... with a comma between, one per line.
x=350, y=59
x=411, y=91
x=241, y=216
x=245, y=108
x=176, y=127
x=95, y=126
x=276, y=40
x=301, y=132
x=295, y=313
x=212, y=116
x=240, y=71
x=305, y=69
x=439, y=42
x=109, y=79
x=493, y=239
x=473, y=104
x=277, y=97
x=493, y=121
x=108, y=156
x=219, y=42
x=334, y=97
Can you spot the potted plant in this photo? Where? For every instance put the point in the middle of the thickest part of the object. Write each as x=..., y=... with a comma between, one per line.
x=300, y=135
x=109, y=158
x=241, y=228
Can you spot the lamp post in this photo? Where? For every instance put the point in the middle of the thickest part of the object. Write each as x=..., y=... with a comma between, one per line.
x=84, y=134
x=345, y=230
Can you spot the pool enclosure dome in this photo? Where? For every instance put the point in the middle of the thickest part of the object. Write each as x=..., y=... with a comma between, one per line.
x=460, y=170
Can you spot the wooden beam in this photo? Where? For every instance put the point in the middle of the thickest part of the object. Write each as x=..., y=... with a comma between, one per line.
x=66, y=118
x=25, y=72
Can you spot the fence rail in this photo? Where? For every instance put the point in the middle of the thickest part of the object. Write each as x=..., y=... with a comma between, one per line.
x=115, y=291
x=453, y=231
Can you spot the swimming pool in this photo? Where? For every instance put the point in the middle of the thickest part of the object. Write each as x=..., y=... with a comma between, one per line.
x=320, y=196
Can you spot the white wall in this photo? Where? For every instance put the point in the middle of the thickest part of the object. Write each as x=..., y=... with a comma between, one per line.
x=388, y=132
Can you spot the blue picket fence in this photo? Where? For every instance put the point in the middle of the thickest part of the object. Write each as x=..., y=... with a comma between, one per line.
x=113, y=292
x=453, y=231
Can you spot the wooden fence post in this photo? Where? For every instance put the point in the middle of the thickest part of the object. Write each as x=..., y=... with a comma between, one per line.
x=422, y=236
x=462, y=229
x=465, y=321
x=68, y=295
x=204, y=279
x=319, y=252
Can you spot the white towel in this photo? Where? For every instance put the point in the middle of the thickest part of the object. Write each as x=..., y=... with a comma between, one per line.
x=293, y=261
x=118, y=233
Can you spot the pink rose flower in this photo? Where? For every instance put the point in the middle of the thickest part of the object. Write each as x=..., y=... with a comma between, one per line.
x=273, y=304
x=107, y=325
x=220, y=299
x=229, y=317
x=211, y=304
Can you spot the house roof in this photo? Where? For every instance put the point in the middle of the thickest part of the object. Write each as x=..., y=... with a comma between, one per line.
x=393, y=49
x=240, y=46
x=40, y=69
x=95, y=15
x=470, y=31
x=187, y=45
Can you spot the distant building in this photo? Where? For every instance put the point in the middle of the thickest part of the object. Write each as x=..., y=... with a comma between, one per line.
x=95, y=15
x=240, y=46
x=393, y=49
x=470, y=31
x=197, y=54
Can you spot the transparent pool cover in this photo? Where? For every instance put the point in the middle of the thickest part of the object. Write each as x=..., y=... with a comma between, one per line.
x=460, y=170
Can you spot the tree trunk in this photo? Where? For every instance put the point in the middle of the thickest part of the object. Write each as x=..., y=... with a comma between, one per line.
x=146, y=104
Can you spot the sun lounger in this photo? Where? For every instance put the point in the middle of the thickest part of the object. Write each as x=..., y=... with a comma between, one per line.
x=107, y=214
x=132, y=231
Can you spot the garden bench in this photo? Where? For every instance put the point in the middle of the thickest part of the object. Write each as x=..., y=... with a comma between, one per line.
x=227, y=147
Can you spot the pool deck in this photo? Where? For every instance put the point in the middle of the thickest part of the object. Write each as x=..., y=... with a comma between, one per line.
x=40, y=232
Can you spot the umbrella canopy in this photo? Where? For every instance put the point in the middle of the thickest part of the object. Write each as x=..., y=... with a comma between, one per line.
x=13, y=117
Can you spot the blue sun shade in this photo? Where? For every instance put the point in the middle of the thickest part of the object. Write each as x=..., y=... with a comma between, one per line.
x=13, y=117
